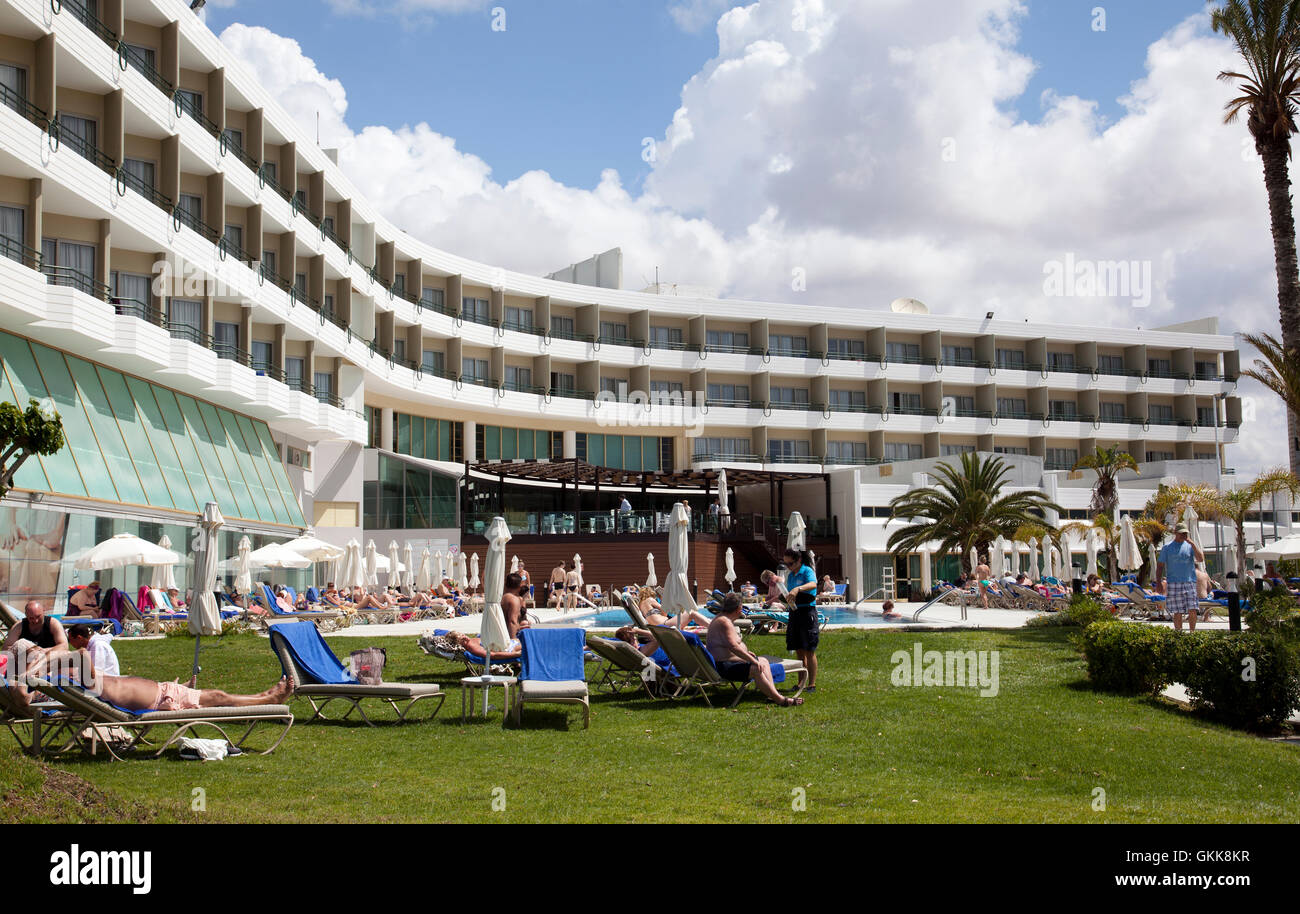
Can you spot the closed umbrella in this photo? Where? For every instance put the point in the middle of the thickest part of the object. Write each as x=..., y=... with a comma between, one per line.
x=394, y=565
x=462, y=570
x=372, y=565
x=731, y=569
x=997, y=557
x=356, y=576
x=244, y=568
x=439, y=570
x=1033, y=558
x=408, y=572
x=1130, y=555
x=677, y=599
x=651, y=579
x=493, y=633
x=514, y=564
x=424, y=580
x=1230, y=558
x=724, y=511
x=473, y=573
x=927, y=577
x=163, y=577
x=577, y=566
x=1091, y=548
x=124, y=551
x=204, y=617
x=797, y=528
x=1194, y=531
x=1048, y=571
x=974, y=559
x=1153, y=558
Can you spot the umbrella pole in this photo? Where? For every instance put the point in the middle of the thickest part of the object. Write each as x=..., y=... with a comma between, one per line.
x=194, y=674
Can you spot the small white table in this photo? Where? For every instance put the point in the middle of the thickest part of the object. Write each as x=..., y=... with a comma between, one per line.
x=485, y=683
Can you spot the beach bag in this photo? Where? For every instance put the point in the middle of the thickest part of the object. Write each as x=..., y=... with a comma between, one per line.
x=368, y=665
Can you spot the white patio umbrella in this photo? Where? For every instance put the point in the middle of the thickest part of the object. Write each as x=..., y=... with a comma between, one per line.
x=355, y=573
x=1193, y=523
x=724, y=496
x=372, y=565
x=974, y=559
x=276, y=556
x=1049, y=571
x=651, y=579
x=1033, y=558
x=439, y=569
x=394, y=565
x=315, y=549
x=408, y=575
x=677, y=599
x=514, y=564
x=1130, y=554
x=125, y=550
x=796, y=527
x=163, y=577
x=493, y=632
x=1285, y=549
x=244, y=568
x=424, y=579
x=473, y=573
x=1153, y=557
x=997, y=557
x=1091, y=548
x=1229, y=558
x=204, y=617
x=730, y=576
x=462, y=570
x=927, y=576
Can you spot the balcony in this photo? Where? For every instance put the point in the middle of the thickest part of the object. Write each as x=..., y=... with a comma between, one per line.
x=83, y=148
x=266, y=180
x=127, y=180
x=82, y=14
x=128, y=55
x=723, y=457
x=238, y=151
x=328, y=233
x=193, y=112
x=11, y=99
x=301, y=209
x=17, y=251
x=733, y=404
x=185, y=217
x=576, y=337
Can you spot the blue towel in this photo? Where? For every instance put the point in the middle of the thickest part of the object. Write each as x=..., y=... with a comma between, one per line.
x=313, y=595
x=778, y=671
x=312, y=655
x=293, y=595
x=552, y=654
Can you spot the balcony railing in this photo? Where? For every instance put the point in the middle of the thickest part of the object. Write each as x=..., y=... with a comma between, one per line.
x=327, y=232
x=571, y=393
x=724, y=457
x=733, y=404
x=231, y=249
x=86, y=150
x=239, y=152
x=126, y=179
x=517, y=327
x=851, y=461
x=196, y=115
x=185, y=217
x=75, y=279
x=129, y=55
x=790, y=405
x=132, y=307
x=575, y=336
x=11, y=99
x=265, y=178
x=792, y=458
x=302, y=210
x=81, y=13
x=17, y=251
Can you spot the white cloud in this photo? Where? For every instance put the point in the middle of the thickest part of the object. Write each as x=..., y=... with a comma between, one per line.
x=698, y=15
x=869, y=142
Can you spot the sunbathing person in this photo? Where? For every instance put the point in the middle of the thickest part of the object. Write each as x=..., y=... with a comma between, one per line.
x=333, y=599
x=654, y=614
x=639, y=638
x=132, y=693
x=775, y=597
x=474, y=646
x=734, y=661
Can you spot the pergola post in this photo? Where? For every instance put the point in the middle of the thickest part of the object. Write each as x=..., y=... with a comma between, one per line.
x=826, y=477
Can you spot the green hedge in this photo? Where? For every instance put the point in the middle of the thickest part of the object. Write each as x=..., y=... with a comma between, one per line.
x=1245, y=679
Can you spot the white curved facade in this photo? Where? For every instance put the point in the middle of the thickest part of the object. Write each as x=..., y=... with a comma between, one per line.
x=330, y=367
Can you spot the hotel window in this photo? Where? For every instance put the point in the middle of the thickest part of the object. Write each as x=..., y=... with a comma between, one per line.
x=475, y=309
x=1110, y=364
x=190, y=102
x=185, y=315
x=434, y=361
x=300, y=198
x=1160, y=368
x=955, y=450
x=958, y=355
x=963, y=406
x=905, y=403
x=432, y=298
x=131, y=287
x=262, y=358
x=1207, y=371
x=846, y=349
x=1012, y=408
x=296, y=457
x=295, y=368
x=1205, y=455
x=615, y=386
x=81, y=133
x=848, y=400
x=268, y=263
x=1064, y=410
x=399, y=350
x=518, y=378
x=789, y=396
x=13, y=232
x=139, y=175
x=235, y=141
x=474, y=369
x=667, y=391
x=13, y=86
x=300, y=284
x=1061, y=458
x=1060, y=361
x=1113, y=412
x=563, y=381
x=323, y=381
x=729, y=393
x=722, y=447
x=327, y=307
x=1013, y=451
x=140, y=55
x=611, y=332
x=519, y=318
x=328, y=224
x=783, y=450
x=225, y=339
x=69, y=264
x=899, y=450
x=665, y=336
x=1205, y=416
x=786, y=344
x=1156, y=456
x=269, y=169
x=190, y=209
x=234, y=238
x=904, y=353
x=1013, y=359
x=727, y=340
x=562, y=327
x=1163, y=415
x=399, y=285
x=846, y=451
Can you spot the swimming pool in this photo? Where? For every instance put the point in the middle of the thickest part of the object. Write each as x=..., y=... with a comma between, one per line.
x=835, y=615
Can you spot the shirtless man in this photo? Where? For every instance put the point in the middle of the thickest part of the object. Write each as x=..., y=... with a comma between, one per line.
x=983, y=580
x=512, y=605
x=572, y=585
x=557, y=584
x=85, y=602
x=734, y=660
x=132, y=693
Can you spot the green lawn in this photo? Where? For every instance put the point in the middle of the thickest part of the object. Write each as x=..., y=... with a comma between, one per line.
x=861, y=749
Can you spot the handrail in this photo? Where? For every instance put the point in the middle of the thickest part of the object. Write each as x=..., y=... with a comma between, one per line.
x=11, y=99
x=17, y=251
x=136, y=59
x=87, y=18
x=196, y=115
x=87, y=151
x=273, y=183
x=148, y=191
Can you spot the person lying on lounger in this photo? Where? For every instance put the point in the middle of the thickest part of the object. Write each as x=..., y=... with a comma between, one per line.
x=474, y=646
x=654, y=614
x=130, y=693
x=734, y=661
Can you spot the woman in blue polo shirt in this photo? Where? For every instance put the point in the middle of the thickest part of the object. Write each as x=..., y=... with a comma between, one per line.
x=801, y=635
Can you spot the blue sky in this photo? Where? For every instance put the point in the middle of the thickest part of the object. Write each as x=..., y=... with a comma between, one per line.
x=572, y=86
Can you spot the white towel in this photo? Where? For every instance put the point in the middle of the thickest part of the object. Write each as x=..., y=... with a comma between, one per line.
x=208, y=750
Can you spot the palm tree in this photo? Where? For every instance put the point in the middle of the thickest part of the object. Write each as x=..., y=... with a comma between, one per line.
x=1267, y=35
x=1107, y=463
x=1278, y=370
x=1231, y=506
x=966, y=508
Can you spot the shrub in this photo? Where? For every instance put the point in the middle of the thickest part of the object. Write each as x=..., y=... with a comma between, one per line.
x=1245, y=679
x=1082, y=612
x=1274, y=613
x=1128, y=657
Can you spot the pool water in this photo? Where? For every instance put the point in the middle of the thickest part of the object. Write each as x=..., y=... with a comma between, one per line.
x=835, y=615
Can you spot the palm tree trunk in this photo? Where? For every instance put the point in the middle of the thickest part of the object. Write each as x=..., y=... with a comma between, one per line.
x=1275, y=153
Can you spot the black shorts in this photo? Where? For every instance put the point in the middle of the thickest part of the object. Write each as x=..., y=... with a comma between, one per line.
x=733, y=670
x=801, y=634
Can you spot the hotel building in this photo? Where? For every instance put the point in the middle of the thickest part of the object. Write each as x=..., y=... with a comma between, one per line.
x=218, y=315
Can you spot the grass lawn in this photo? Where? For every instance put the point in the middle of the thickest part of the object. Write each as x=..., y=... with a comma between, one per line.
x=861, y=749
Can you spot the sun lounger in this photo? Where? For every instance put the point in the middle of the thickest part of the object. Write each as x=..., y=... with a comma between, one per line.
x=697, y=672
x=624, y=666
x=42, y=721
x=318, y=675
x=9, y=616
x=91, y=723
x=552, y=670
x=331, y=617
x=473, y=664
